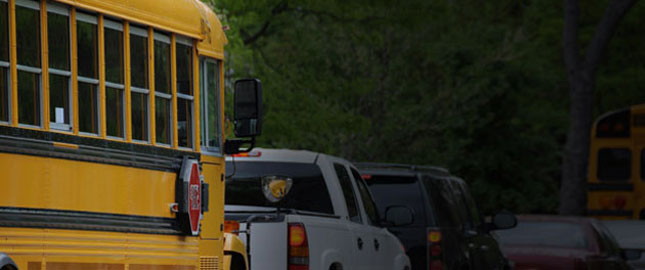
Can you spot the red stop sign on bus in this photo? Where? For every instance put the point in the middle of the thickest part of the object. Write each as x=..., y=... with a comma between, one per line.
x=190, y=196
x=194, y=199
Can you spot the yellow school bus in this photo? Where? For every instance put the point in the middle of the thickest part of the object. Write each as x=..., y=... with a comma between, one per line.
x=616, y=181
x=111, y=135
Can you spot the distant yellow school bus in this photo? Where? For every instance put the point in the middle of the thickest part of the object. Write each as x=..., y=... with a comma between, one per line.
x=111, y=142
x=616, y=182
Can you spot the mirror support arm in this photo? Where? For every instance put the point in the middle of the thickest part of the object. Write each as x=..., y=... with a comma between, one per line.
x=232, y=146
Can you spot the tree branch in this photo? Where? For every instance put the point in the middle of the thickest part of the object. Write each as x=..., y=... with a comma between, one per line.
x=335, y=17
x=281, y=7
x=258, y=34
x=613, y=14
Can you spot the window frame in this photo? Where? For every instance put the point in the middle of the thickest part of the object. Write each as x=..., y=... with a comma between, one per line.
x=359, y=215
x=114, y=24
x=31, y=4
x=7, y=66
x=141, y=32
x=186, y=41
x=91, y=19
x=63, y=11
x=203, y=89
x=366, y=198
x=164, y=38
x=471, y=205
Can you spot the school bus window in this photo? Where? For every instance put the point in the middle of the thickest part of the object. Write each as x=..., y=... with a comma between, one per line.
x=114, y=79
x=163, y=93
x=184, y=91
x=4, y=31
x=614, y=164
x=28, y=47
x=139, y=83
x=87, y=46
x=59, y=67
x=210, y=104
x=643, y=164
x=4, y=61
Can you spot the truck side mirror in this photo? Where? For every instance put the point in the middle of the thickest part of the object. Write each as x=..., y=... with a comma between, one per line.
x=397, y=215
x=504, y=220
x=248, y=108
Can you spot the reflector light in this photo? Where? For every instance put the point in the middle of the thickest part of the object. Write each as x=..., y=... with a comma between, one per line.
x=366, y=176
x=249, y=154
x=435, y=250
x=231, y=226
x=436, y=265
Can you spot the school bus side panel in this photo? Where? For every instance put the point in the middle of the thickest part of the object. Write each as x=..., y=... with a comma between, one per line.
x=61, y=184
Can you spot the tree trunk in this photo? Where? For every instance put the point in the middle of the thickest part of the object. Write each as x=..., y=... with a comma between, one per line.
x=582, y=74
x=574, y=167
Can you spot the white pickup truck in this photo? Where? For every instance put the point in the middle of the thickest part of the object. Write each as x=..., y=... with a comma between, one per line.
x=326, y=221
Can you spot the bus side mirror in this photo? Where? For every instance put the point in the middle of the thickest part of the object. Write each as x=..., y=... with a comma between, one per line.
x=247, y=115
x=248, y=108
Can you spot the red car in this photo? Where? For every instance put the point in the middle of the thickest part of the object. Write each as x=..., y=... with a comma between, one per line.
x=558, y=242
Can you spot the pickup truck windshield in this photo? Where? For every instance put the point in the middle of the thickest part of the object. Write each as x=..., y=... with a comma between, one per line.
x=308, y=192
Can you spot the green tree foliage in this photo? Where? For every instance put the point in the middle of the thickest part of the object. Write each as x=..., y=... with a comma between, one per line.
x=475, y=86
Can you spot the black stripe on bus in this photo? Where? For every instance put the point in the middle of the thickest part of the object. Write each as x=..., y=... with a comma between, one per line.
x=77, y=220
x=41, y=143
x=610, y=187
x=611, y=213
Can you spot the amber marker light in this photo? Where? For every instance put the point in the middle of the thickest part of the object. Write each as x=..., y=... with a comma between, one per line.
x=231, y=226
x=434, y=237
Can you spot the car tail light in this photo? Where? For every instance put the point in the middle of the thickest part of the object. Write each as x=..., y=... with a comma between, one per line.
x=231, y=226
x=436, y=265
x=298, y=258
x=435, y=250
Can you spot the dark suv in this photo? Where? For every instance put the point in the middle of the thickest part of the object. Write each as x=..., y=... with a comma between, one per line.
x=435, y=217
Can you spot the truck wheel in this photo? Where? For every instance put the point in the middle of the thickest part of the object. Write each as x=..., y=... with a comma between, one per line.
x=336, y=266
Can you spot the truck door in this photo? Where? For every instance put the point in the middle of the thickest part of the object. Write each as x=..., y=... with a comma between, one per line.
x=360, y=247
x=376, y=247
x=483, y=247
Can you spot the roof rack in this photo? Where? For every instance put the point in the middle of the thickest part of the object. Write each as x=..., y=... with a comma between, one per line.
x=400, y=166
